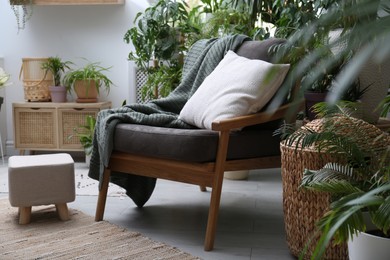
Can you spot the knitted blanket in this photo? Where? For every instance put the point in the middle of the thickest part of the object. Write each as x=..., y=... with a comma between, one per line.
x=201, y=60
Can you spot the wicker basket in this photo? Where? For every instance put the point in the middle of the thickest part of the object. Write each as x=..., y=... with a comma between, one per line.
x=35, y=82
x=303, y=208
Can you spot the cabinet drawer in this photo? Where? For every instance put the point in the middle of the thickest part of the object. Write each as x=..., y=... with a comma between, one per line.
x=69, y=119
x=35, y=128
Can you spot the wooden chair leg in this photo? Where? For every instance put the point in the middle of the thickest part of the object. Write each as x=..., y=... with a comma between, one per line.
x=216, y=191
x=213, y=217
x=24, y=215
x=101, y=204
x=62, y=211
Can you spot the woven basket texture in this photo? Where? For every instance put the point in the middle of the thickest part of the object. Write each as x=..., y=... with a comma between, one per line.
x=367, y=136
x=70, y=121
x=36, y=128
x=35, y=82
x=303, y=208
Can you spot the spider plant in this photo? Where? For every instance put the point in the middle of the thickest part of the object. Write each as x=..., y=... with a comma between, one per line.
x=90, y=72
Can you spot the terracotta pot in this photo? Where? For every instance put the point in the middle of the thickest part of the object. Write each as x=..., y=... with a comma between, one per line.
x=58, y=94
x=86, y=91
x=312, y=98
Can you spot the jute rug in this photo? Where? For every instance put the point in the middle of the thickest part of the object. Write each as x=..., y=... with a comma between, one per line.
x=46, y=237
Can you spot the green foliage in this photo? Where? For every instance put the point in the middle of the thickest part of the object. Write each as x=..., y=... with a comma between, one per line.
x=56, y=66
x=91, y=71
x=85, y=134
x=161, y=81
x=385, y=106
x=157, y=33
x=159, y=36
x=23, y=11
x=228, y=21
x=365, y=36
x=211, y=6
x=345, y=218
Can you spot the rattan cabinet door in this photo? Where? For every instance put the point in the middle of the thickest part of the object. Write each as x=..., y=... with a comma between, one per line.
x=35, y=128
x=70, y=119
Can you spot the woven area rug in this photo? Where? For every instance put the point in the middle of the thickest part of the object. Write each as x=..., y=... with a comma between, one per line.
x=46, y=237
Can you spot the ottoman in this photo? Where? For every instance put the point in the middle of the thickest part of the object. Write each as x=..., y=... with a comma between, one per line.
x=35, y=180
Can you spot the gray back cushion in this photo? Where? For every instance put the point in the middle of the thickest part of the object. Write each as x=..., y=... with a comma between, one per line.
x=258, y=49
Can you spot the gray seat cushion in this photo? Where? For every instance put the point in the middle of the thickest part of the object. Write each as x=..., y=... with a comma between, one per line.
x=194, y=145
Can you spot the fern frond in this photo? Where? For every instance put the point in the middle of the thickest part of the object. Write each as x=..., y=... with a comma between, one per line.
x=381, y=218
x=333, y=178
x=345, y=218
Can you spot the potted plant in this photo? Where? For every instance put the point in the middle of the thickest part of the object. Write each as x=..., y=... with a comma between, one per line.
x=56, y=66
x=358, y=182
x=87, y=81
x=23, y=11
x=85, y=134
x=159, y=42
x=4, y=77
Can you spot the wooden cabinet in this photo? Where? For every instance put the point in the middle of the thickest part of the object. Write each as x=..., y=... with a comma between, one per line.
x=49, y=126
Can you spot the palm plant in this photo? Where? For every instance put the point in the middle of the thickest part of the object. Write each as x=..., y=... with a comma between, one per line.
x=365, y=36
x=385, y=106
x=358, y=182
x=56, y=66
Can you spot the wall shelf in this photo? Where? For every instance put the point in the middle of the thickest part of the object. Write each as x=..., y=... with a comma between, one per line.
x=78, y=2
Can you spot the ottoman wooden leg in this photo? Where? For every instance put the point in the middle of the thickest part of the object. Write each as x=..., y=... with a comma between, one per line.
x=24, y=215
x=62, y=210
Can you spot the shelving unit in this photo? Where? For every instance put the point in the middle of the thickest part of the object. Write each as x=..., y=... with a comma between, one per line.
x=78, y=2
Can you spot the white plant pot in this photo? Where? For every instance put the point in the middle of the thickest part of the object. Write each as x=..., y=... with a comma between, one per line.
x=366, y=246
x=237, y=175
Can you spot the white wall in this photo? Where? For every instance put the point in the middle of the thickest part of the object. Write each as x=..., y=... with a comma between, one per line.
x=91, y=32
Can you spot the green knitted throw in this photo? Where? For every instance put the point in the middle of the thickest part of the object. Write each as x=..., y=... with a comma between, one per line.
x=201, y=60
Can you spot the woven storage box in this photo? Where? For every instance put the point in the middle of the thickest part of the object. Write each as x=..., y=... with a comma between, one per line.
x=303, y=208
x=35, y=82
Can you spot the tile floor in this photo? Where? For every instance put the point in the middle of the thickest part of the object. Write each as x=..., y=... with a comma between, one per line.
x=250, y=222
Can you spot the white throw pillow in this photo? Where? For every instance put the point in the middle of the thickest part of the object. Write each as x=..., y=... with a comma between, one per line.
x=238, y=86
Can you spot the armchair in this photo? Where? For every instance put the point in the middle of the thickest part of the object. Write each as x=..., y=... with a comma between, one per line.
x=199, y=156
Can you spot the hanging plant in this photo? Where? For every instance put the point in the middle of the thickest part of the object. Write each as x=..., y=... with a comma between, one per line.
x=23, y=11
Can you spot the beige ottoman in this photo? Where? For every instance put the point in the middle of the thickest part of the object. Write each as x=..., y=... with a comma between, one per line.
x=35, y=180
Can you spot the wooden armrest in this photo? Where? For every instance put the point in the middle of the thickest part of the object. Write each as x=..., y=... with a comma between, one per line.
x=254, y=119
